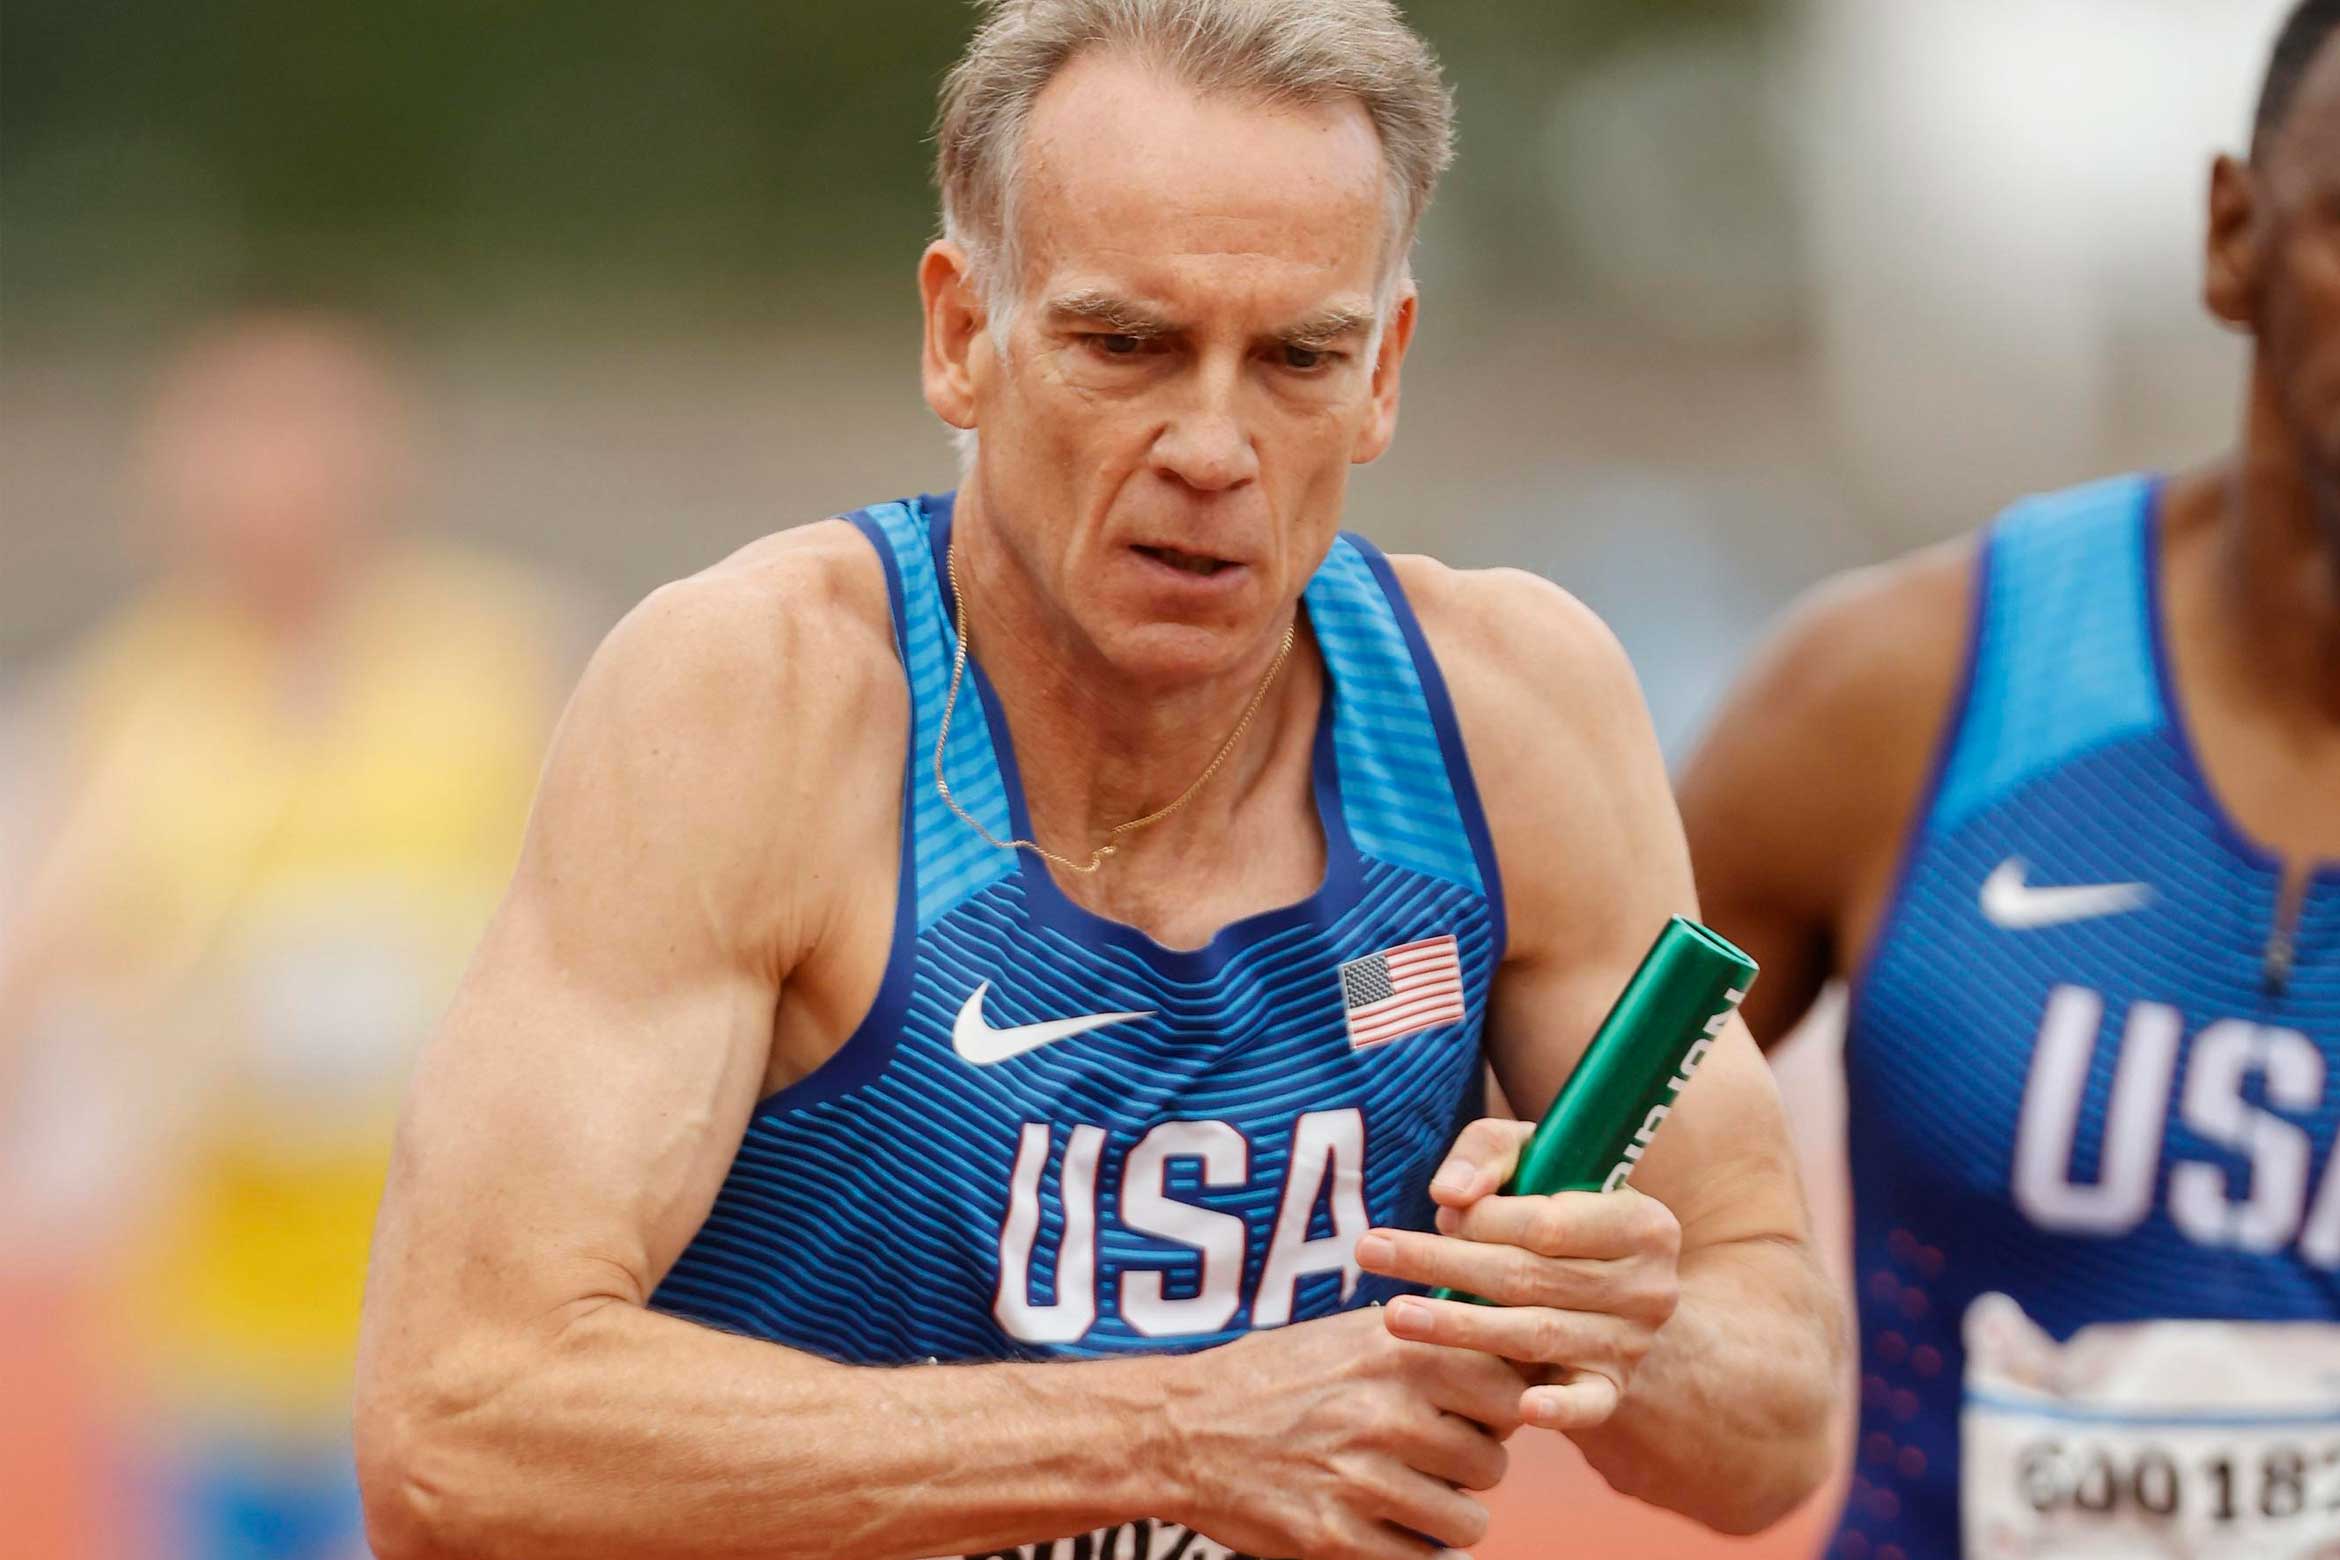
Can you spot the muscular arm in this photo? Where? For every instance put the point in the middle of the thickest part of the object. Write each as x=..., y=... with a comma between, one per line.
x=1797, y=800
x=708, y=816
x=1725, y=1416
x=569, y=1127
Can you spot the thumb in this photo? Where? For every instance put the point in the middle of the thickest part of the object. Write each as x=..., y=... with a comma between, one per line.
x=1480, y=1161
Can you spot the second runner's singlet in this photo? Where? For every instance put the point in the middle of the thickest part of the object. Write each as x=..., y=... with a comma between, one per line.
x=1053, y=1137
x=2097, y=1207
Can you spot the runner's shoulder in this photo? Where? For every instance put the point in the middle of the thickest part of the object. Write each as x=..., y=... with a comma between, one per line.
x=1562, y=753
x=1867, y=661
x=1512, y=644
x=1804, y=784
x=780, y=652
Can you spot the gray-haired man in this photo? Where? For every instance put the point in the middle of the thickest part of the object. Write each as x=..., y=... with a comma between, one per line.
x=785, y=1077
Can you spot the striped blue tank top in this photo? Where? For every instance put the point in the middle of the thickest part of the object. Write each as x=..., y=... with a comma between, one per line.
x=1053, y=1136
x=2071, y=1084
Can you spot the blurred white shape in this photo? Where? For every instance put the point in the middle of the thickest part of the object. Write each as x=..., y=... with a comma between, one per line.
x=2001, y=195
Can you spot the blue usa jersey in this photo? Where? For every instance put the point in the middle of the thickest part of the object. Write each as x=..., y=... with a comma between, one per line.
x=2076, y=1079
x=1053, y=1136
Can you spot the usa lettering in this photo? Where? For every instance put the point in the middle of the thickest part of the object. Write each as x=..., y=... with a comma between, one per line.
x=2266, y=1210
x=1326, y=1164
x=1674, y=1087
x=1145, y=1539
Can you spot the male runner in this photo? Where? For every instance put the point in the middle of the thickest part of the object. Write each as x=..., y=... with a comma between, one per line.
x=778, y=1065
x=2063, y=804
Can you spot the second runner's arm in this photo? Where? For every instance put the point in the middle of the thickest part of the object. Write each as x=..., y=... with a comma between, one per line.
x=1797, y=798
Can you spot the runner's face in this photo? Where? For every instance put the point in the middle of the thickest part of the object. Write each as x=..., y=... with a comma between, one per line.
x=1168, y=417
x=274, y=451
x=2298, y=317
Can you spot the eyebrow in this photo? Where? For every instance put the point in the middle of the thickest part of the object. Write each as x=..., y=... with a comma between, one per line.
x=1326, y=327
x=1124, y=316
x=1128, y=317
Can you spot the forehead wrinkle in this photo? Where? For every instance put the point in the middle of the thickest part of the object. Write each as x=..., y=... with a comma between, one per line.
x=1102, y=159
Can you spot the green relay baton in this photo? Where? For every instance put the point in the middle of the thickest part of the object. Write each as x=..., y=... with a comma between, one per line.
x=1670, y=1013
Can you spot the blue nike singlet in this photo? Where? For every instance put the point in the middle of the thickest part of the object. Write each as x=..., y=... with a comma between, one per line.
x=2070, y=1082
x=1193, y=1150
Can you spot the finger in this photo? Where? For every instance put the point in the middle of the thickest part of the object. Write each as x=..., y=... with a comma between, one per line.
x=1506, y=1275
x=1459, y=1452
x=1431, y=1508
x=1601, y=1226
x=1643, y=1284
x=1587, y=1398
x=1534, y=1334
x=1584, y=1283
x=1350, y=1536
x=1480, y=1161
x=1480, y=1387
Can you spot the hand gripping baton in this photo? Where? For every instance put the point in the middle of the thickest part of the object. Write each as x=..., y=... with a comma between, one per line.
x=1641, y=1058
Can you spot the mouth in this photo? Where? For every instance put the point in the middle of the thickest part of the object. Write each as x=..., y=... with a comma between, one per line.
x=1200, y=565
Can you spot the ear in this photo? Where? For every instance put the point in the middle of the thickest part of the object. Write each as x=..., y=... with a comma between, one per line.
x=953, y=308
x=1396, y=336
x=2231, y=251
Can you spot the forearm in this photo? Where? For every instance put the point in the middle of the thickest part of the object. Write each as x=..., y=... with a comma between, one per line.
x=639, y=1434
x=1742, y=1377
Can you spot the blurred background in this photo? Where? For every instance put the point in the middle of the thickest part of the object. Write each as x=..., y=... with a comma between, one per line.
x=360, y=363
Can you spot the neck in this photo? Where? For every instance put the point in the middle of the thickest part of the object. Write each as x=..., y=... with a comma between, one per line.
x=2277, y=563
x=1098, y=747
x=297, y=603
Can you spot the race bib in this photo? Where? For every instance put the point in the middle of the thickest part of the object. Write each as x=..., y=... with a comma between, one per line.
x=1145, y=1539
x=2149, y=1440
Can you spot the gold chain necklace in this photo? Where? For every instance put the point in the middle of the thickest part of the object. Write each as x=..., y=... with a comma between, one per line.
x=1097, y=857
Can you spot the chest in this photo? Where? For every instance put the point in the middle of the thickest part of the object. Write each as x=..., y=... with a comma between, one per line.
x=1126, y=1143
x=1181, y=886
x=2067, y=1031
x=2280, y=784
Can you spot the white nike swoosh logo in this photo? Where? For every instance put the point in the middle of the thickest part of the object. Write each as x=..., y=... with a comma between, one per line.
x=2009, y=902
x=977, y=1042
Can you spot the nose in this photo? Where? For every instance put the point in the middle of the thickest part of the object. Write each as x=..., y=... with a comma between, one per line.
x=1206, y=444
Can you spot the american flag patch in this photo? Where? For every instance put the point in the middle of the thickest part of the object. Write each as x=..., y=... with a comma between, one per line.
x=1402, y=990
